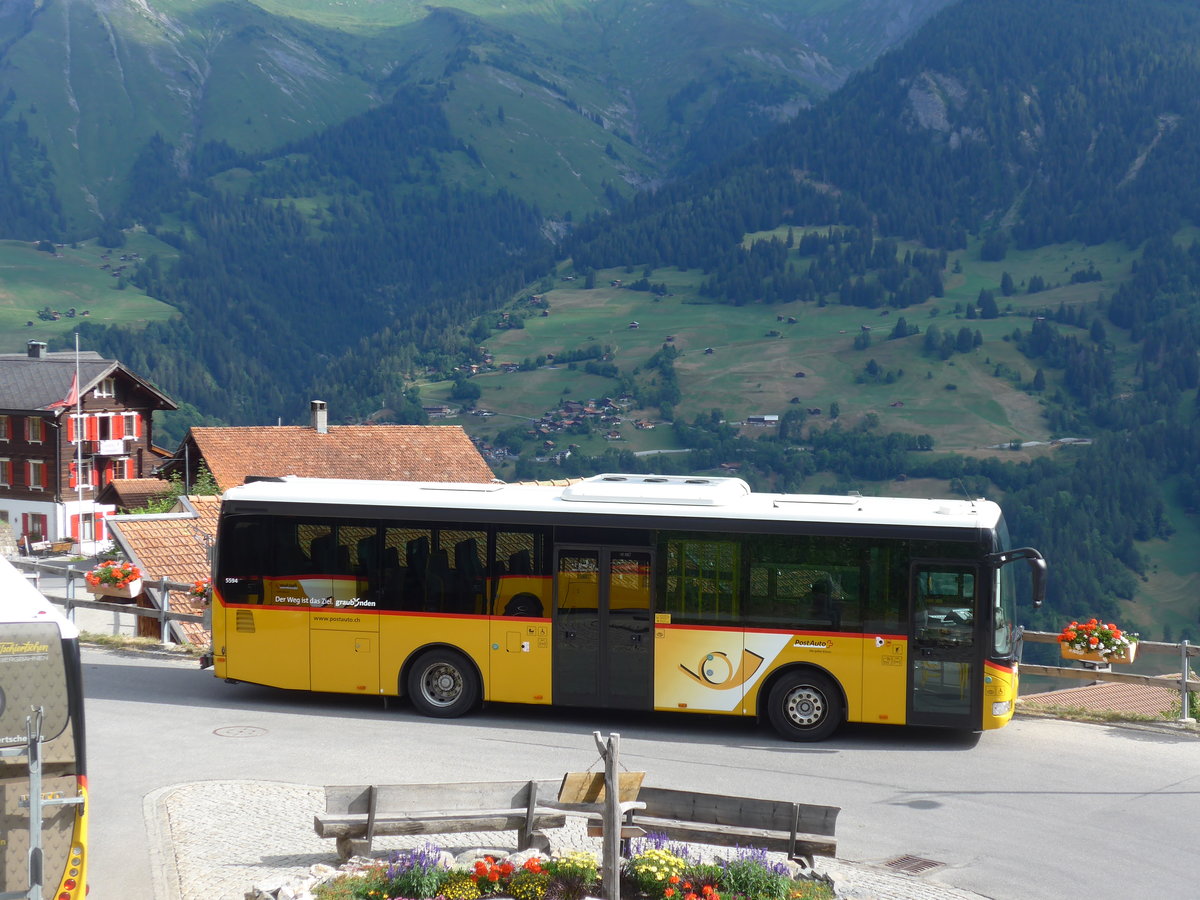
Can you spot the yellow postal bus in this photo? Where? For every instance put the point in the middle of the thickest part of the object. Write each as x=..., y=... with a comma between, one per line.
x=624, y=591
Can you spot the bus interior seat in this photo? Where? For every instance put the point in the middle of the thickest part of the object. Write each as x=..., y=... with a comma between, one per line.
x=329, y=557
x=520, y=563
x=417, y=556
x=524, y=605
x=437, y=581
x=392, y=576
x=470, y=574
x=364, y=552
x=289, y=558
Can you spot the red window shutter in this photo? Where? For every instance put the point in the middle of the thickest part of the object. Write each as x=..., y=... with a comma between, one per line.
x=117, y=428
x=137, y=426
x=75, y=527
x=73, y=479
x=70, y=429
x=24, y=523
x=129, y=468
x=98, y=526
x=92, y=428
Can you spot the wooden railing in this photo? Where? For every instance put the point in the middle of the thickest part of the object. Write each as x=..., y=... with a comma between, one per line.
x=75, y=596
x=1183, y=683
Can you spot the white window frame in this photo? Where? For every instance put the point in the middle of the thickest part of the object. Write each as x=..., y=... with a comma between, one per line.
x=37, y=474
x=5, y=467
x=131, y=422
x=85, y=467
x=106, y=388
x=5, y=428
x=33, y=430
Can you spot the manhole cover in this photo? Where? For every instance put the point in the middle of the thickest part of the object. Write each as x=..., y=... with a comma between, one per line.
x=912, y=865
x=240, y=731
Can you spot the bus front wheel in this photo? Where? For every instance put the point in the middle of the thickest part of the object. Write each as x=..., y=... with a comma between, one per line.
x=805, y=706
x=443, y=684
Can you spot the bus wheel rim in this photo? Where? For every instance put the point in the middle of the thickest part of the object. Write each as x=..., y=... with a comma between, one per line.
x=805, y=706
x=442, y=684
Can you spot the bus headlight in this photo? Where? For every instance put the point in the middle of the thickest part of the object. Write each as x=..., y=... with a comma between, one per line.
x=1001, y=708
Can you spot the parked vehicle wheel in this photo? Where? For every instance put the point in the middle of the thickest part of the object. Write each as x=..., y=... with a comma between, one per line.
x=805, y=706
x=443, y=684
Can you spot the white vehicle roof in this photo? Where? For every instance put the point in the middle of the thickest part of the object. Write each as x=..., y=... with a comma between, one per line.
x=627, y=496
x=20, y=601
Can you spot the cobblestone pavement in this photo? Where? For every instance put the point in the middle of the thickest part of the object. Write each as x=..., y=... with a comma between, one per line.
x=215, y=840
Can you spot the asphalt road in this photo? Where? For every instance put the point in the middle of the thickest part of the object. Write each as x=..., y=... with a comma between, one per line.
x=1040, y=810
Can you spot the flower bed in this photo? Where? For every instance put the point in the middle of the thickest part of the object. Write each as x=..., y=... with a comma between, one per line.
x=656, y=870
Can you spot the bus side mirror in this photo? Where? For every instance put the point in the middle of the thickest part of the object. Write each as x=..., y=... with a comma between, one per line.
x=1037, y=568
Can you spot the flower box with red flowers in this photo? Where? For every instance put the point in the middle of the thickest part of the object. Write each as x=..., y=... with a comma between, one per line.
x=115, y=579
x=200, y=590
x=1095, y=641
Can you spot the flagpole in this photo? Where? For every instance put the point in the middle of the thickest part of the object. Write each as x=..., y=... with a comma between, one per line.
x=79, y=451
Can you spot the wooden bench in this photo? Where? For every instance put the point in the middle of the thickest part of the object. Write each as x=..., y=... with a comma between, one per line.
x=356, y=814
x=800, y=830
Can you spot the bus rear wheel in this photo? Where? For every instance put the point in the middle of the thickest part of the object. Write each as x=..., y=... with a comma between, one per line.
x=443, y=684
x=805, y=706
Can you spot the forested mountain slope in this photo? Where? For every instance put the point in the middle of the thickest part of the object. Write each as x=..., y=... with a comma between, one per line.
x=620, y=90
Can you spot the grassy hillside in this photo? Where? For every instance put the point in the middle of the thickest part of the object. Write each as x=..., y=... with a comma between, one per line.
x=72, y=278
x=967, y=403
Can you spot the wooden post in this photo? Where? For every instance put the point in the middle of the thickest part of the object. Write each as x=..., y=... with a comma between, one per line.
x=611, y=862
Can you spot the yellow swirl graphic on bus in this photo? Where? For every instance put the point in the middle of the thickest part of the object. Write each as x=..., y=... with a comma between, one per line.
x=717, y=670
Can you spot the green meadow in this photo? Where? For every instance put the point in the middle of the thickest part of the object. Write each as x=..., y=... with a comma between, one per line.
x=968, y=403
x=33, y=280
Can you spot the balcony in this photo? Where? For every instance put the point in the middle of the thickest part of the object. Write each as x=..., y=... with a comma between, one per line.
x=105, y=448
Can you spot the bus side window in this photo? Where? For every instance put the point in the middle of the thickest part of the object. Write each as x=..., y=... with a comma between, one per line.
x=518, y=583
x=246, y=546
x=405, y=562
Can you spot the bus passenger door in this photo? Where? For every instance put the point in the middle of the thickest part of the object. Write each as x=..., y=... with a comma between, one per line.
x=344, y=625
x=602, y=648
x=944, y=658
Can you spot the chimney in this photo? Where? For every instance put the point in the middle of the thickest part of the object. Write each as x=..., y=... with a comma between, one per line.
x=37, y=349
x=320, y=418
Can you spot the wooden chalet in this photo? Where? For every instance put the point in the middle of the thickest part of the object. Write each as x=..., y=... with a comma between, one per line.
x=70, y=423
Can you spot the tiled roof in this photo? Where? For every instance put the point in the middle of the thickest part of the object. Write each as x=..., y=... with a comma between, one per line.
x=132, y=493
x=173, y=546
x=361, y=452
x=1109, y=696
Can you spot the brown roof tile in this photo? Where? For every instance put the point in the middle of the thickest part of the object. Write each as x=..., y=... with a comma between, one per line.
x=132, y=493
x=1109, y=696
x=370, y=452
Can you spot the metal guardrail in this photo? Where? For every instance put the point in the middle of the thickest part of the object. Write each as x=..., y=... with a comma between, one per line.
x=1102, y=672
x=70, y=602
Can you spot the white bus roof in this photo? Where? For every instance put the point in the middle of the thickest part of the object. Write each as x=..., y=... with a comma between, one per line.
x=20, y=601
x=628, y=496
